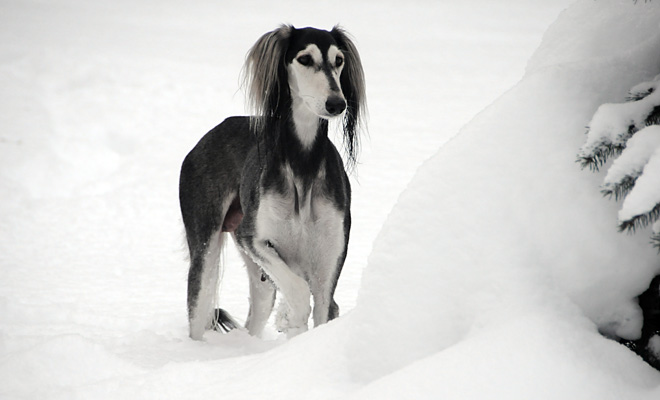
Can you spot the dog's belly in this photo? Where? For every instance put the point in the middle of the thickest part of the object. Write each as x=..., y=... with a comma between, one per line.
x=308, y=237
x=233, y=217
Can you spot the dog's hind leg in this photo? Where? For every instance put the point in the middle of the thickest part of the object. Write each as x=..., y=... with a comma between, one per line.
x=203, y=279
x=262, y=298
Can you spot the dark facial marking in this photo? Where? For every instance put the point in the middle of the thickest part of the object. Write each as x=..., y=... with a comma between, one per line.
x=300, y=38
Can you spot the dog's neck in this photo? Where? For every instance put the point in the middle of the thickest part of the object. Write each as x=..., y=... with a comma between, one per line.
x=302, y=141
x=306, y=125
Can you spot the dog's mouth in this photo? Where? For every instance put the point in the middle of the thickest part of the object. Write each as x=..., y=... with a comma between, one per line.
x=329, y=116
x=333, y=106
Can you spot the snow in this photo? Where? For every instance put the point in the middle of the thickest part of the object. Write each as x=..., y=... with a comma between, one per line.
x=531, y=357
x=485, y=271
x=630, y=164
x=654, y=345
x=645, y=195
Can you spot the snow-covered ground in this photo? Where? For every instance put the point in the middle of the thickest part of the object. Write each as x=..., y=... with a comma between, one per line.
x=488, y=274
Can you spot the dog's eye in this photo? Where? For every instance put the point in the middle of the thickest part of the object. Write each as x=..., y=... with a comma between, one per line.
x=339, y=62
x=305, y=60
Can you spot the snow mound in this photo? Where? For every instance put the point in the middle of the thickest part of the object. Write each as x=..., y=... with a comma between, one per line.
x=530, y=358
x=502, y=224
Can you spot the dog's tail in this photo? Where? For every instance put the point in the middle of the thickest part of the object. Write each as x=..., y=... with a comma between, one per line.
x=203, y=290
x=223, y=322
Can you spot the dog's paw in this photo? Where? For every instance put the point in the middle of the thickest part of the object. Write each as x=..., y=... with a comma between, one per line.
x=287, y=323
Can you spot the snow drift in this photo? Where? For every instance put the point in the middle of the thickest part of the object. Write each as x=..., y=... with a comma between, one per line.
x=501, y=238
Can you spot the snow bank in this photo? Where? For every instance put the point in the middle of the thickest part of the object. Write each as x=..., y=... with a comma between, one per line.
x=500, y=236
x=541, y=356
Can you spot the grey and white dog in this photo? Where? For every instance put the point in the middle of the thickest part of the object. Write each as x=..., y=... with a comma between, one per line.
x=276, y=182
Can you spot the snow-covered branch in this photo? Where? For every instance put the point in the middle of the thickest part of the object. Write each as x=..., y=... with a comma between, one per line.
x=630, y=131
x=625, y=170
x=613, y=124
x=642, y=205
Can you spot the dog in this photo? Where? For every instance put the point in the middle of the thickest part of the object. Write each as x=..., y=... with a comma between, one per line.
x=276, y=182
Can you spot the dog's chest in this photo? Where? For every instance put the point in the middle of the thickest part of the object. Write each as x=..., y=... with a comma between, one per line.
x=302, y=224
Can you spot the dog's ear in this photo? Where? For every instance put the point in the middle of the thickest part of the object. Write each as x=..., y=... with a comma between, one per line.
x=264, y=74
x=353, y=87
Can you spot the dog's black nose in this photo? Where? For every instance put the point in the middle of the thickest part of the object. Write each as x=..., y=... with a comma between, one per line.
x=335, y=105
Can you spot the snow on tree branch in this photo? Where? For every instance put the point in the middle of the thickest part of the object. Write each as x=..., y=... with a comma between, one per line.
x=630, y=131
x=642, y=205
x=613, y=124
x=629, y=166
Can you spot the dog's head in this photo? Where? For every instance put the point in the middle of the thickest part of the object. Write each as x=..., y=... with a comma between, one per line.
x=314, y=65
x=321, y=69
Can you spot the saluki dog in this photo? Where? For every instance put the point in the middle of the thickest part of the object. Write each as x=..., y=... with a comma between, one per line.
x=277, y=183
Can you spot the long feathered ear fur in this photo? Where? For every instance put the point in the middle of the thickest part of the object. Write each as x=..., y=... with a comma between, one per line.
x=353, y=87
x=264, y=76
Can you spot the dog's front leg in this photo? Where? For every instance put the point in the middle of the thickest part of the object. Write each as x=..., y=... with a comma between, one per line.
x=294, y=288
x=328, y=255
x=323, y=284
x=325, y=307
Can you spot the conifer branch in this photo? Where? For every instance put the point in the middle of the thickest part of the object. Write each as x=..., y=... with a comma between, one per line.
x=636, y=96
x=599, y=154
x=620, y=189
x=654, y=117
x=641, y=220
x=655, y=240
x=608, y=137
